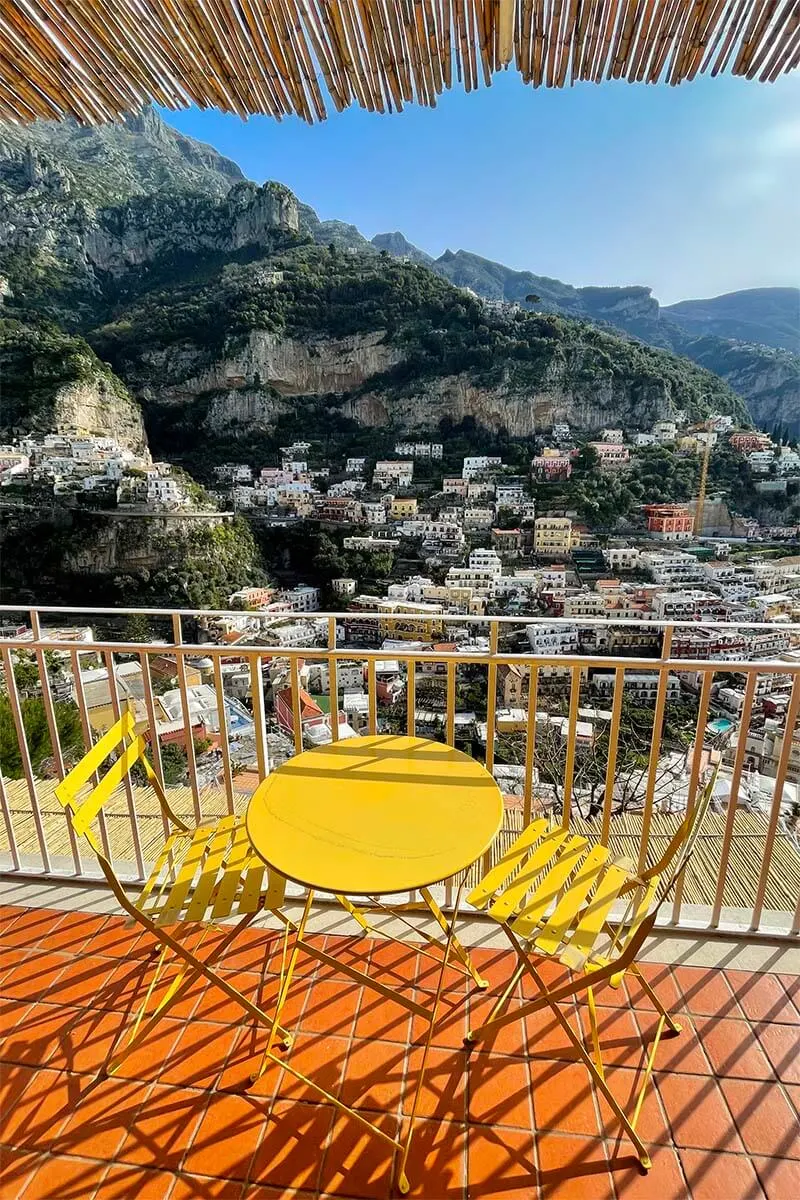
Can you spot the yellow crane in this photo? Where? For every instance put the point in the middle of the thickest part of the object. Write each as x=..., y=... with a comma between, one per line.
x=700, y=502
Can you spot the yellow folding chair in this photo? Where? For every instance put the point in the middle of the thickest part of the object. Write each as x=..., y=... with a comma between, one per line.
x=552, y=892
x=200, y=877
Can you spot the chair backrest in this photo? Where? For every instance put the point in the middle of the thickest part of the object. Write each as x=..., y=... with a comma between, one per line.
x=125, y=748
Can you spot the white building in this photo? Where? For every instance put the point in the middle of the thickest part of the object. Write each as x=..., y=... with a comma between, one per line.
x=642, y=685
x=562, y=432
x=644, y=439
x=419, y=449
x=390, y=472
x=584, y=604
x=164, y=492
x=665, y=431
x=355, y=466
x=476, y=464
x=788, y=461
x=302, y=598
x=760, y=461
x=373, y=513
x=478, y=518
x=615, y=436
x=552, y=640
x=621, y=558
x=344, y=586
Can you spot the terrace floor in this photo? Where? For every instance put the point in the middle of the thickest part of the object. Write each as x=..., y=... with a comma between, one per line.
x=723, y=1118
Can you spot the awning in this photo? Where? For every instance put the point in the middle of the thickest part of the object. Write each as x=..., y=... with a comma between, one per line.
x=96, y=61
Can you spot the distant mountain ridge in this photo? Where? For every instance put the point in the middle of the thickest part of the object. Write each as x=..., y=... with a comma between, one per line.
x=751, y=339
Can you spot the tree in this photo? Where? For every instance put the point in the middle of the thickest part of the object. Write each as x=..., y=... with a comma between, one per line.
x=37, y=735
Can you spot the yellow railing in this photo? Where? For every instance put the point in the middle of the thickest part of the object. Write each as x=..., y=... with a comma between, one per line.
x=746, y=875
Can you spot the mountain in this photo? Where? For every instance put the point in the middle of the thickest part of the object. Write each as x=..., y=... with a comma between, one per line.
x=769, y=316
x=751, y=342
x=229, y=311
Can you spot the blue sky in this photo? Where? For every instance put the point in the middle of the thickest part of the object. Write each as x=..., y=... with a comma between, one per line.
x=692, y=190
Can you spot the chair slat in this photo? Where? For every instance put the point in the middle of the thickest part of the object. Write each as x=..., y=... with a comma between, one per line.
x=217, y=845
x=496, y=876
x=113, y=777
x=177, y=894
x=238, y=854
x=572, y=901
x=152, y=878
x=251, y=884
x=548, y=889
x=542, y=855
x=82, y=772
x=594, y=915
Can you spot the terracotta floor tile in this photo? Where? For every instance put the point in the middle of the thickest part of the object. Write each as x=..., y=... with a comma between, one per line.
x=118, y=939
x=306, y=963
x=357, y=1164
x=697, y=1113
x=437, y=1160
x=35, y=1039
x=682, y=1052
x=572, y=1168
x=100, y=1117
x=30, y=925
x=620, y=1039
x=162, y=1130
x=779, y=1177
x=354, y=949
x=444, y=1088
x=32, y=975
x=792, y=985
x=563, y=1098
x=80, y=980
x=12, y=1011
x=500, y=1164
x=450, y=1026
x=766, y=1121
x=250, y=950
x=793, y=1092
x=426, y=973
x=201, y=1187
x=382, y=1019
x=126, y=987
x=712, y=1176
x=225, y=1141
x=781, y=1043
x=199, y=1055
x=661, y=978
x=499, y=1091
x=373, y=1076
x=65, y=1179
x=72, y=933
x=244, y=1060
x=16, y=1168
x=664, y=1180
x=734, y=1049
x=546, y=1036
x=330, y=1008
x=321, y=1060
x=38, y=1114
x=121, y=1183
x=510, y=1039
x=148, y=1060
x=393, y=964
x=214, y=1004
x=283, y=1158
x=706, y=992
x=87, y=1043
x=652, y=1125
x=762, y=997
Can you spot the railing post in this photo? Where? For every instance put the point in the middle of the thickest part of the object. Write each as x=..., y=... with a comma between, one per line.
x=191, y=761
x=224, y=744
x=611, y=761
x=655, y=747
x=572, y=725
x=777, y=800
x=333, y=681
x=297, y=712
x=451, y=704
x=88, y=740
x=27, y=768
x=9, y=824
x=117, y=711
x=52, y=726
x=372, y=696
x=733, y=798
x=530, y=744
x=411, y=698
x=694, y=779
x=259, y=716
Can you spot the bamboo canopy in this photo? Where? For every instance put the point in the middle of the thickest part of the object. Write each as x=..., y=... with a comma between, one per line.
x=96, y=60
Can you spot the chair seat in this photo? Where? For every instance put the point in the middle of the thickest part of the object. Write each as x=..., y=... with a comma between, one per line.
x=555, y=890
x=208, y=873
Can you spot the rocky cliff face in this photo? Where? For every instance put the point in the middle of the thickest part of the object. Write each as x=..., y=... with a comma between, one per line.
x=97, y=409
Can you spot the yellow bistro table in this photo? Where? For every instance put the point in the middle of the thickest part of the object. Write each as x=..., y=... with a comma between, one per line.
x=374, y=817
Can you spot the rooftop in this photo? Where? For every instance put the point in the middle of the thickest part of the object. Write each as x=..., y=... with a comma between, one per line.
x=181, y=1122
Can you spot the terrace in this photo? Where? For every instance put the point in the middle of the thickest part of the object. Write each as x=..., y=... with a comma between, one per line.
x=513, y=1117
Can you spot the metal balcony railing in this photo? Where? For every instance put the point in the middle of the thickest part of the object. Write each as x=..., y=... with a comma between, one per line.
x=611, y=742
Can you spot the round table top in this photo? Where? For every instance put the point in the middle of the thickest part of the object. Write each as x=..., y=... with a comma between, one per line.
x=375, y=815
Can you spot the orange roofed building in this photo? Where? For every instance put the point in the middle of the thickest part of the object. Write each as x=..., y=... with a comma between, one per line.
x=669, y=522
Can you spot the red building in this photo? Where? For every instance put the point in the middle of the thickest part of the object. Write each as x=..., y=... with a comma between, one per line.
x=750, y=439
x=552, y=467
x=672, y=522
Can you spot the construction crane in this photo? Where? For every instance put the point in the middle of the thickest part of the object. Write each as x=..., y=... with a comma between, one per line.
x=700, y=502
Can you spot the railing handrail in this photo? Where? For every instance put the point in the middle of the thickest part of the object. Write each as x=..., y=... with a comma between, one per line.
x=462, y=618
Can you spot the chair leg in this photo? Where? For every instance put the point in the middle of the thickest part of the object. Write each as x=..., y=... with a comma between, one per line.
x=190, y=970
x=453, y=943
x=401, y=1177
x=285, y=982
x=674, y=1025
x=598, y=1057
